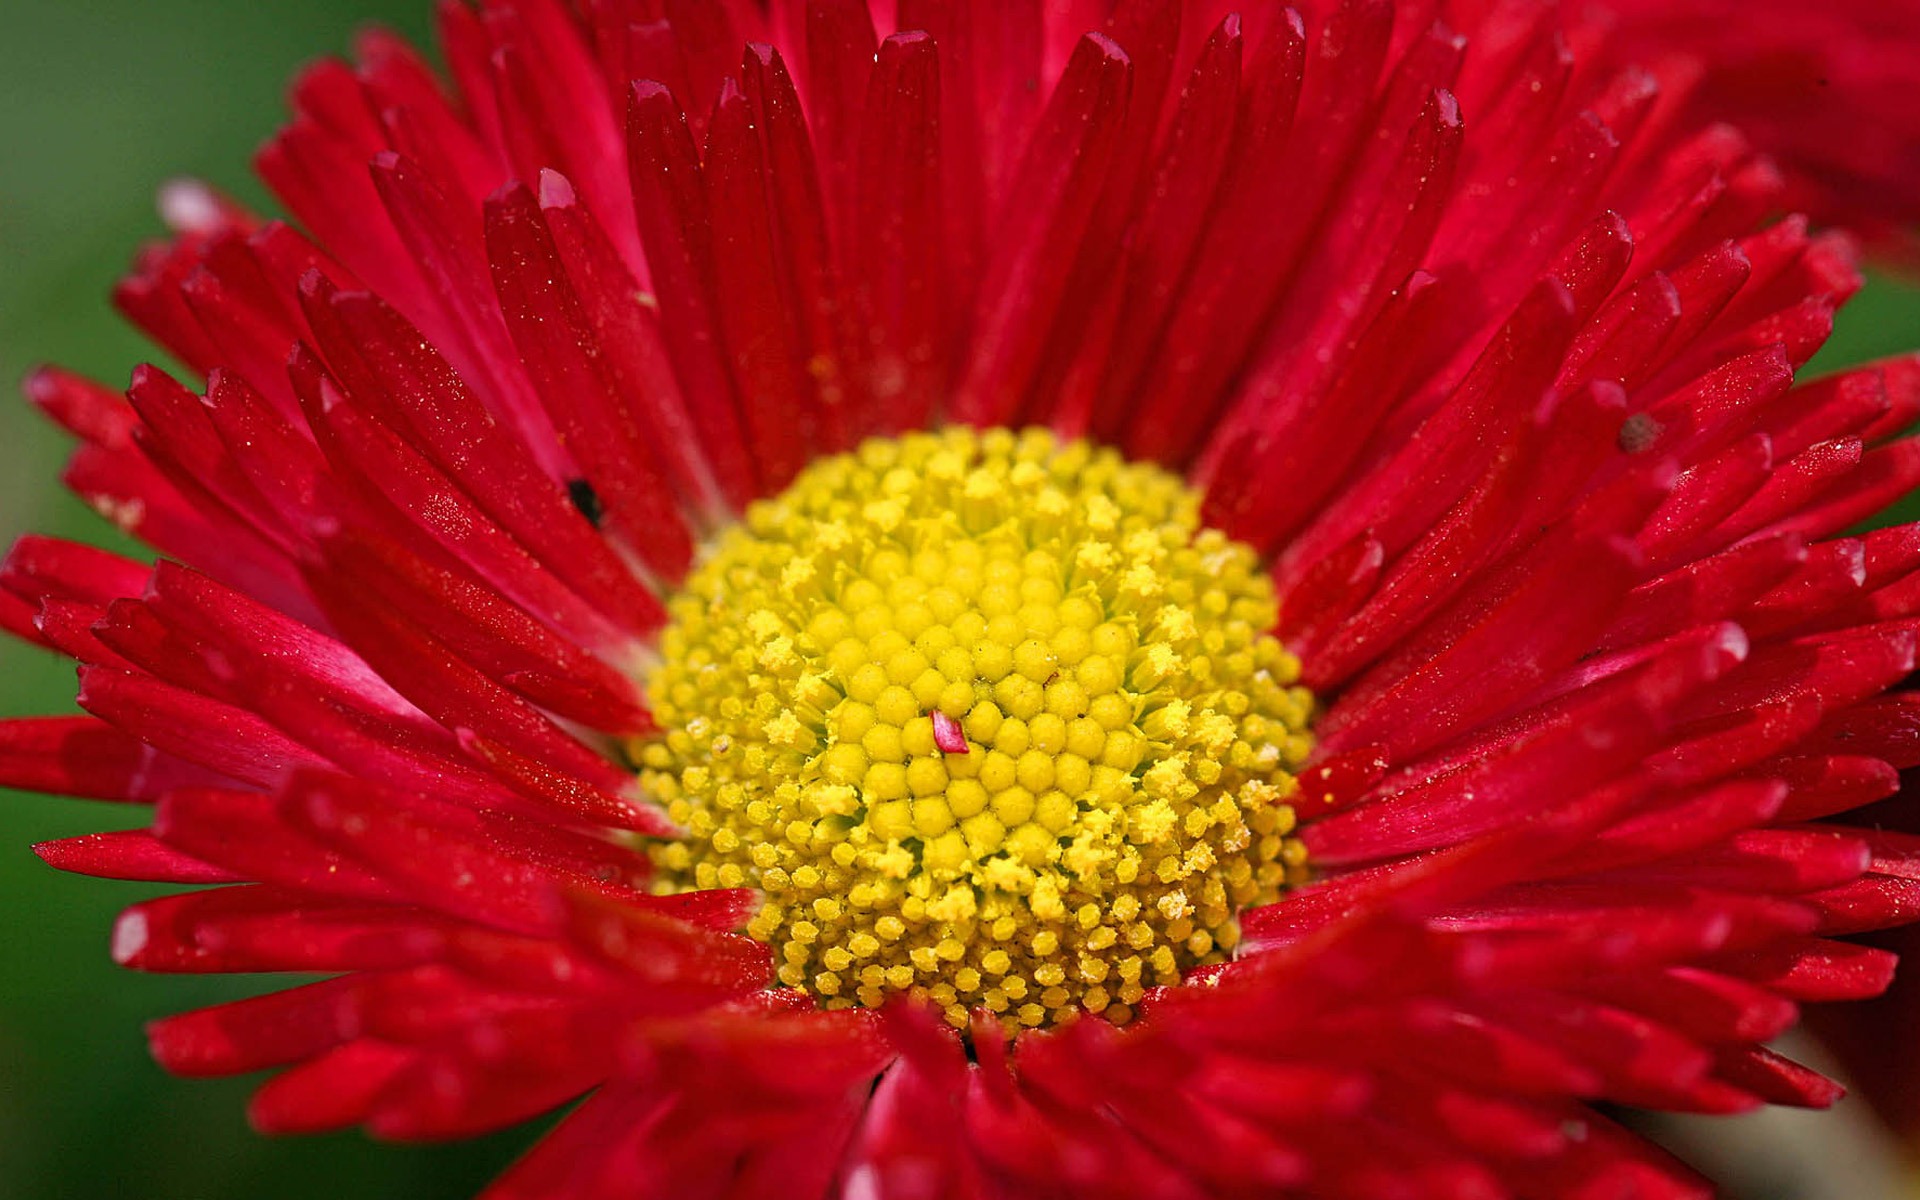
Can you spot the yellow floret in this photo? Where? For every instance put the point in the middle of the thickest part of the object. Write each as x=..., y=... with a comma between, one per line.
x=1128, y=728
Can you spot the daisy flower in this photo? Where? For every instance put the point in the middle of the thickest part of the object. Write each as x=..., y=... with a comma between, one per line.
x=996, y=600
x=1821, y=88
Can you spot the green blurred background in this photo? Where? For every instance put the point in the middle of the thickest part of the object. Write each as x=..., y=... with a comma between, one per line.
x=100, y=101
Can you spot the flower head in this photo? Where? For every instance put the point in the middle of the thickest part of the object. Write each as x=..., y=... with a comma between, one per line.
x=1071, y=600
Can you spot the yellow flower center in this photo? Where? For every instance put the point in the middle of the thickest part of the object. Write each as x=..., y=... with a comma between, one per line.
x=987, y=718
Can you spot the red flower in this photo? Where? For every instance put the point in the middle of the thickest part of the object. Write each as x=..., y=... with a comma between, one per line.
x=1486, y=353
x=1825, y=89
